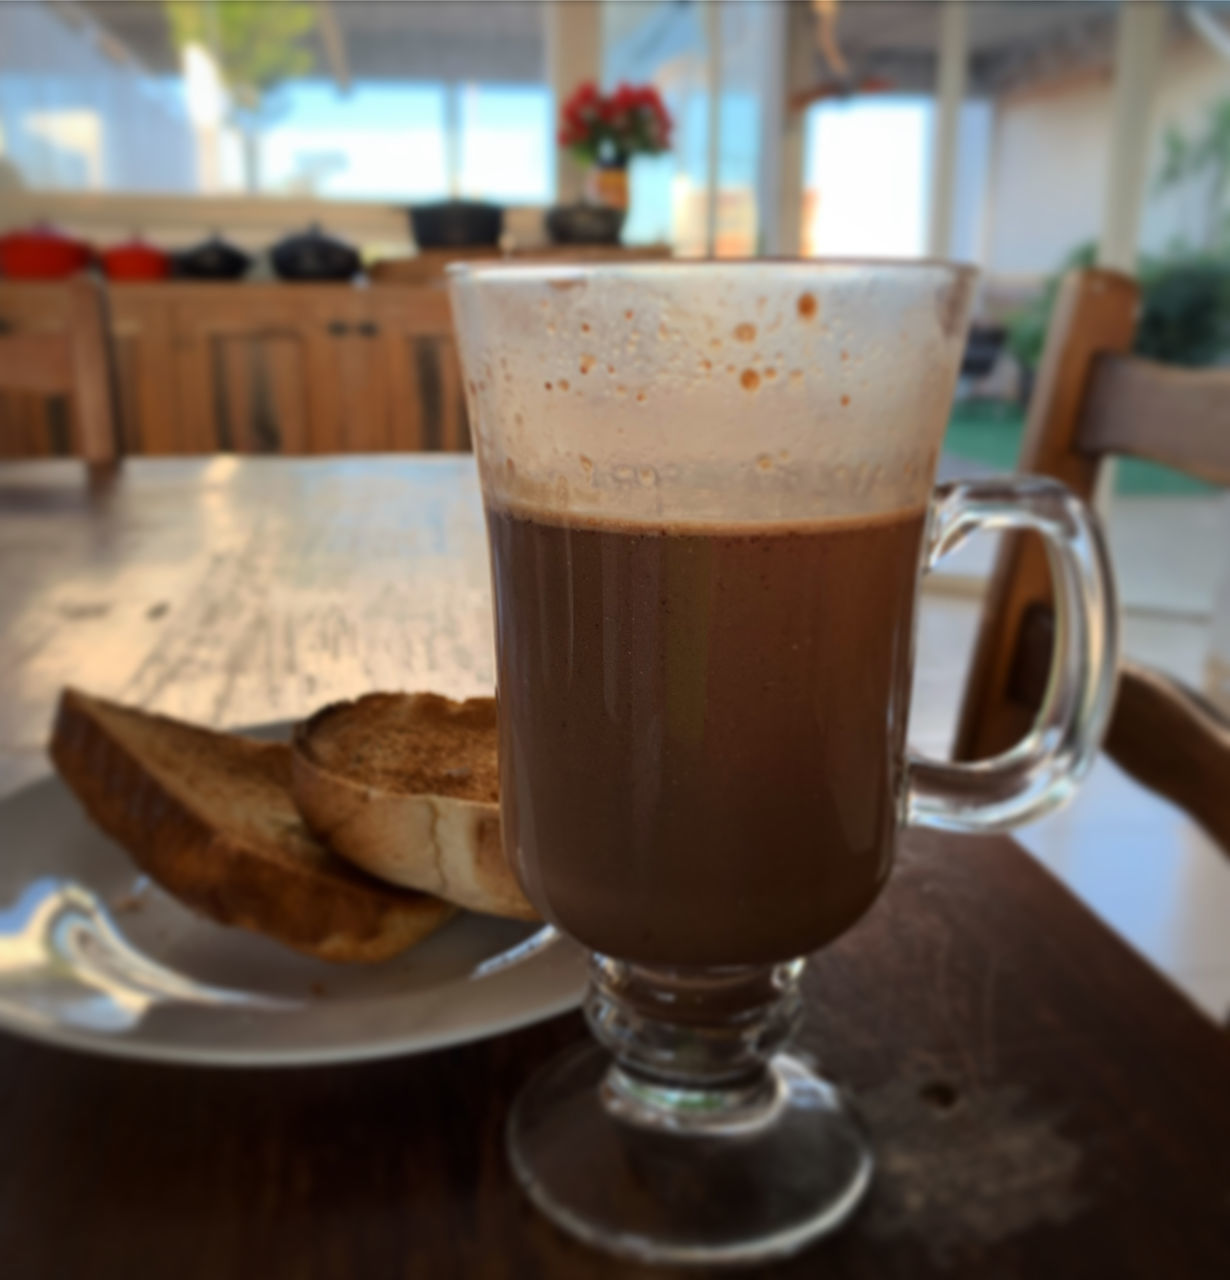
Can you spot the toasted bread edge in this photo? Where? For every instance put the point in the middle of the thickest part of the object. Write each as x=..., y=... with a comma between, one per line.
x=437, y=844
x=211, y=872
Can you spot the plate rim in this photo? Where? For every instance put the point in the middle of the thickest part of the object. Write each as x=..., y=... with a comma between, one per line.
x=125, y=1046
x=131, y=1046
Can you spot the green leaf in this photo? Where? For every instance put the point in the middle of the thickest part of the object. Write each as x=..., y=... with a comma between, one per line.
x=258, y=44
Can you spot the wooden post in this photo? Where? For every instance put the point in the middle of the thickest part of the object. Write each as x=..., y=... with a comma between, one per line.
x=713, y=122
x=770, y=177
x=574, y=55
x=1137, y=52
x=950, y=91
x=1138, y=48
x=797, y=60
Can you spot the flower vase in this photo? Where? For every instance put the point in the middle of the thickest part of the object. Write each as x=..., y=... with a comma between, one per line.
x=606, y=184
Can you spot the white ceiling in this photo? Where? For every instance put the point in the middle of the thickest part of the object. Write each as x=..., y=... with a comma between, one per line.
x=1011, y=41
x=426, y=40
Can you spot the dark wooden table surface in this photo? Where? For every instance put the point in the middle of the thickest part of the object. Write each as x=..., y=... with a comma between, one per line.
x=1042, y=1103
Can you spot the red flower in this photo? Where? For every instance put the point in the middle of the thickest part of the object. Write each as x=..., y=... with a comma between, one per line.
x=630, y=120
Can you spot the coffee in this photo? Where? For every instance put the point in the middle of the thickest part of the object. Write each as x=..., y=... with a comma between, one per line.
x=702, y=728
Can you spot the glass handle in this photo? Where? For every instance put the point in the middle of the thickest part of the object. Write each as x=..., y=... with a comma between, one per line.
x=1040, y=771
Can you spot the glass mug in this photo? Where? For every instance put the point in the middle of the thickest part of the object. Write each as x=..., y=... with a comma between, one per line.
x=709, y=498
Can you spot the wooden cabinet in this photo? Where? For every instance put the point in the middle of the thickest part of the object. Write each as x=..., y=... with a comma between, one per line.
x=31, y=423
x=264, y=368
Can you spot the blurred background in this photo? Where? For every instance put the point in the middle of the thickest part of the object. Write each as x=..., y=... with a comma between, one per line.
x=270, y=192
x=345, y=140
x=341, y=140
x=1023, y=136
x=815, y=127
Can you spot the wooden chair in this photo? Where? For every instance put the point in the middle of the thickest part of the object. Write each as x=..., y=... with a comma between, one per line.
x=74, y=361
x=1092, y=399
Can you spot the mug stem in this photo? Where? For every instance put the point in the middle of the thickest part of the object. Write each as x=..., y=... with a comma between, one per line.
x=692, y=1048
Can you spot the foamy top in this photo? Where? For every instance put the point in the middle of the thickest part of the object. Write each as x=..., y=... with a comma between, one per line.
x=714, y=392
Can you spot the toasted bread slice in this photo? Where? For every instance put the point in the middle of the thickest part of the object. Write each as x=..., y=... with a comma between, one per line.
x=209, y=816
x=406, y=785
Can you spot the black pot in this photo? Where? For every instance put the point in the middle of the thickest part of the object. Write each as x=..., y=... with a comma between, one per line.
x=212, y=259
x=584, y=224
x=313, y=255
x=455, y=224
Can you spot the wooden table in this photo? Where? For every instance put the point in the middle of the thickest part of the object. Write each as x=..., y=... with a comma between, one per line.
x=1042, y=1103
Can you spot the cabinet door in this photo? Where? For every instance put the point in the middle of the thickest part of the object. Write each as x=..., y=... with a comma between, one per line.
x=263, y=368
x=253, y=369
x=352, y=383
x=33, y=424
x=427, y=404
x=279, y=368
x=143, y=342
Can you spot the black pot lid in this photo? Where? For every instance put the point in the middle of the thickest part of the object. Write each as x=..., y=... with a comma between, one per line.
x=313, y=240
x=214, y=256
x=312, y=253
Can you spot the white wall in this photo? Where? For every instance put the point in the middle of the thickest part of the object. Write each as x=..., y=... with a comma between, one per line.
x=1048, y=172
x=1048, y=169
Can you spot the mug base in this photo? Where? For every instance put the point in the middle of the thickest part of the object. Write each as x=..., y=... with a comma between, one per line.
x=689, y=1192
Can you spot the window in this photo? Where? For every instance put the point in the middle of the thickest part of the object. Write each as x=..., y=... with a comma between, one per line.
x=865, y=177
x=507, y=143
x=667, y=44
x=394, y=102
x=384, y=141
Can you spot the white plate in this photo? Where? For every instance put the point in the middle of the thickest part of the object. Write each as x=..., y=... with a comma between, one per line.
x=94, y=956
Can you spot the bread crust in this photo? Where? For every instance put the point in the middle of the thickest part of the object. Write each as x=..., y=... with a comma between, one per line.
x=322, y=907
x=439, y=843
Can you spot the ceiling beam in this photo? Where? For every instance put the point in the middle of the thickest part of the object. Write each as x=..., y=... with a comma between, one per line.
x=108, y=41
x=333, y=41
x=1209, y=28
x=1082, y=45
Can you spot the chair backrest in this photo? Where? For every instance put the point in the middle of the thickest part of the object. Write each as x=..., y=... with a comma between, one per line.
x=73, y=360
x=1091, y=400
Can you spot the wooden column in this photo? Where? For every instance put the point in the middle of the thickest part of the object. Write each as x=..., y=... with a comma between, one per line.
x=950, y=91
x=713, y=121
x=1137, y=53
x=574, y=55
x=791, y=51
x=1138, y=49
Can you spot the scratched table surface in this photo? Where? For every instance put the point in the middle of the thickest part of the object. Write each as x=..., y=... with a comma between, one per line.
x=1041, y=1102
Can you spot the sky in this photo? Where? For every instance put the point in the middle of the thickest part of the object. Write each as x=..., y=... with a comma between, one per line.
x=388, y=140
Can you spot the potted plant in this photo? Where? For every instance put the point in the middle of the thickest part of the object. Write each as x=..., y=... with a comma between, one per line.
x=606, y=130
x=1184, y=311
x=257, y=47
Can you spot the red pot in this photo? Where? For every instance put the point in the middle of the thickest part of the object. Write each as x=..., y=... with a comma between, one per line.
x=135, y=260
x=42, y=253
